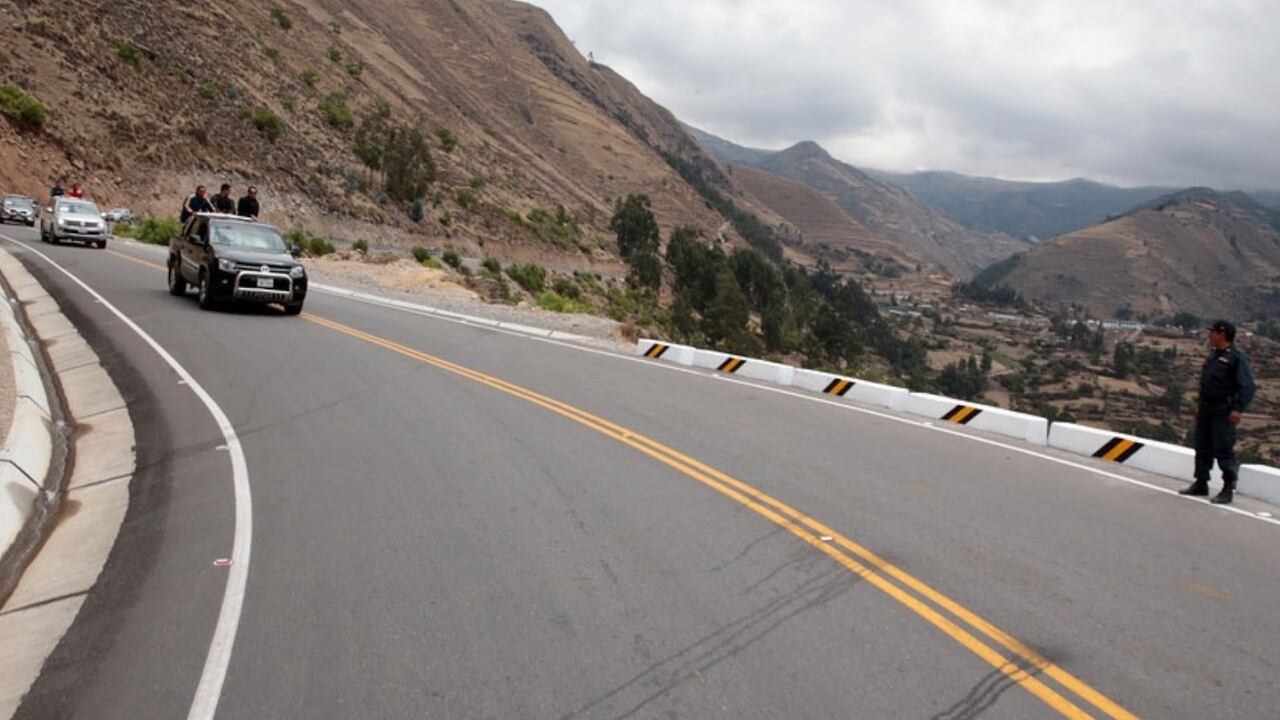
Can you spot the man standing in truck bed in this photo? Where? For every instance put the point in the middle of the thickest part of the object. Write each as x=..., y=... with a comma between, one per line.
x=1226, y=389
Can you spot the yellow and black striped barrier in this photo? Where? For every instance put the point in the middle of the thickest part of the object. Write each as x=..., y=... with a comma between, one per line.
x=657, y=351
x=839, y=387
x=732, y=365
x=1118, y=450
x=962, y=414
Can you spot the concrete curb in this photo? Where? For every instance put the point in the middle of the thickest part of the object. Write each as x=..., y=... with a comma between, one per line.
x=57, y=556
x=27, y=453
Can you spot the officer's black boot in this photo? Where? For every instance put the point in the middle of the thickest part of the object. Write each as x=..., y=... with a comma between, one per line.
x=1228, y=492
x=1199, y=488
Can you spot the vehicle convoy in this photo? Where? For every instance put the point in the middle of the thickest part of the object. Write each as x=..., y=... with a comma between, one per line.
x=234, y=259
x=73, y=220
x=19, y=209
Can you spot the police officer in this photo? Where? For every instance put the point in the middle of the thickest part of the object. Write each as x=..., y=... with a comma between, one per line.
x=1226, y=388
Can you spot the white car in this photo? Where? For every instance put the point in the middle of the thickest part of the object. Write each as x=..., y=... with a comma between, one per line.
x=118, y=215
x=73, y=220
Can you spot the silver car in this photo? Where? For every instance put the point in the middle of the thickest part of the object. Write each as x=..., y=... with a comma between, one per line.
x=73, y=220
x=19, y=209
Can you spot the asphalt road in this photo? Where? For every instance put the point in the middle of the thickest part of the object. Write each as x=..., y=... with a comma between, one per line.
x=454, y=522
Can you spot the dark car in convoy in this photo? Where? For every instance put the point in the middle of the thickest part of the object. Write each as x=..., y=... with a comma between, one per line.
x=19, y=209
x=234, y=259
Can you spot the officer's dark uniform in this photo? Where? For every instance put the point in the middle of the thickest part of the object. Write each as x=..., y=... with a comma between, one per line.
x=1226, y=385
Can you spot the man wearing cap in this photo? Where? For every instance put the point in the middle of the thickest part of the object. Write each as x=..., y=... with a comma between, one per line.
x=1226, y=388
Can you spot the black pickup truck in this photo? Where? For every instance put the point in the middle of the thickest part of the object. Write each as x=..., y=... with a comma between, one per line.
x=234, y=259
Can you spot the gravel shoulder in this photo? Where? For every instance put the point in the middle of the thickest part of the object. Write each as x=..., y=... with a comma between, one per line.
x=407, y=280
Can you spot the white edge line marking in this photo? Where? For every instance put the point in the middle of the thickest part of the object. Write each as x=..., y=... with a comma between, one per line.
x=423, y=311
x=205, y=703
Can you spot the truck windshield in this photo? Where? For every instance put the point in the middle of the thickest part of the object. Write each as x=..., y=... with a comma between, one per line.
x=247, y=235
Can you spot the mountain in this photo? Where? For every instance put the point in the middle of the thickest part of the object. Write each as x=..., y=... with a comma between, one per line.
x=887, y=212
x=1269, y=198
x=816, y=226
x=152, y=97
x=891, y=212
x=1029, y=210
x=1197, y=251
x=726, y=151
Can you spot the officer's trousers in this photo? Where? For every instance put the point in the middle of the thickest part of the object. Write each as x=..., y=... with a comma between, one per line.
x=1215, y=440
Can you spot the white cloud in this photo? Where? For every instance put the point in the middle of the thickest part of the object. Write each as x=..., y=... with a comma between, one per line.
x=1171, y=92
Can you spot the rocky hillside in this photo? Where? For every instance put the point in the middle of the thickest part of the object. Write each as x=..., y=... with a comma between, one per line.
x=145, y=99
x=1197, y=251
x=1029, y=210
x=887, y=211
x=815, y=226
x=891, y=211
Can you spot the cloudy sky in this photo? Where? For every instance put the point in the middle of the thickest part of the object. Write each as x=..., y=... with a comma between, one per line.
x=1176, y=92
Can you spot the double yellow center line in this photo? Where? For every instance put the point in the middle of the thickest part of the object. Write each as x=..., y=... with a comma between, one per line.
x=938, y=609
x=854, y=557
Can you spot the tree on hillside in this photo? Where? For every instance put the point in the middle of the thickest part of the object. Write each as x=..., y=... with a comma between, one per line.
x=695, y=267
x=407, y=165
x=637, y=233
x=725, y=322
x=635, y=227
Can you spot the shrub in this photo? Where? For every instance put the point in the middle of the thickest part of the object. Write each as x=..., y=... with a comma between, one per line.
x=354, y=68
x=477, y=182
x=334, y=107
x=267, y=123
x=155, y=231
x=555, y=302
x=446, y=219
x=128, y=52
x=420, y=253
x=207, y=91
x=335, y=55
x=310, y=76
x=452, y=259
x=416, y=211
x=281, y=17
x=447, y=140
x=465, y=198
x=314, y=245
x=361, y=246
x=432, y=263
x=532, y=277
x=566, y=287
x=492, y=266
x=319, y=247
x=272, y=52
x=24, y=109
x=559, y=229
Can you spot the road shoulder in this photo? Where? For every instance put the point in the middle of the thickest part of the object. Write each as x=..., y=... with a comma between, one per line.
x=93, y=487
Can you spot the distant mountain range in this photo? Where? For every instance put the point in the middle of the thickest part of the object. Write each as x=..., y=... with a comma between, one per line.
x=1035, y=211
x=1198, y=250
x=889, y=213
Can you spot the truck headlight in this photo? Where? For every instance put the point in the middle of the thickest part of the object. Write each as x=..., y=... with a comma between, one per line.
x=297, y=273
x=226, y=265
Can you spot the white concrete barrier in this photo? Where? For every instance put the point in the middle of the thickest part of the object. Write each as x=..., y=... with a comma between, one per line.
x=1032, y=428
x=776, y=373
x=1129, y=450
x=658, y=350
x=1261, y=482
x=863, y=391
